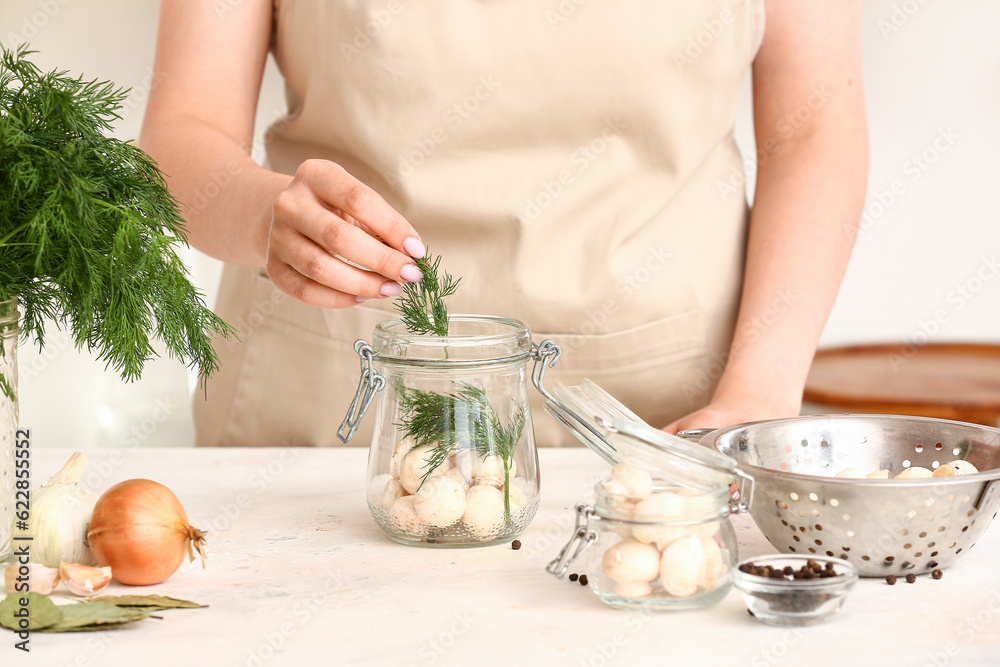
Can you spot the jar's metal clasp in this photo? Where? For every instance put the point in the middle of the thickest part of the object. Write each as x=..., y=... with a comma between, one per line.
x=371, y=383
x=583, y=537
x=545, y=354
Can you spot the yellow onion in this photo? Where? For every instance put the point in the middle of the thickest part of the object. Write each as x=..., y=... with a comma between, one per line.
x=140, y=529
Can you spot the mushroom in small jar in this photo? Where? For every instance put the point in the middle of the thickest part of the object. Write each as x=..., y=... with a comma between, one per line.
x=631, y=561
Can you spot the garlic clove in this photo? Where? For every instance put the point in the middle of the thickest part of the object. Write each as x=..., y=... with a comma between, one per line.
x=632, y=481
x=963, y=467
x=37, y=577
x=852, y=473
x=682, y=567
x=84, y=580
x=405, y=519
x=878, y=474
x=440, y=501
x=945, y=471
x=916, y=472
x=631, y=561
x=393, y=489
x=484, y=511
x=416, y=463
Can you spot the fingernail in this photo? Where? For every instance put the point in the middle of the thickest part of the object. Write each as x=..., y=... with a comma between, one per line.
x=391, y=289
x=411, y=274
x=414, y=247
x=362, y=299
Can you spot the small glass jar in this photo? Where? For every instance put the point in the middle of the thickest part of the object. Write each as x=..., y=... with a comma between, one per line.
x=658, y=536
x=672, y=549
x=452, y=460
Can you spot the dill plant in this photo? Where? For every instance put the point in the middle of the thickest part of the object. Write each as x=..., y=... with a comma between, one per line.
x=88, y=229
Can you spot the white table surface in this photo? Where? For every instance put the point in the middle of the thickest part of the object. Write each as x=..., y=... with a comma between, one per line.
x=299, y=574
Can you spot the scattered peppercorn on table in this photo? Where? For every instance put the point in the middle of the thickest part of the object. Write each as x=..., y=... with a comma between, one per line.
x=299, y=574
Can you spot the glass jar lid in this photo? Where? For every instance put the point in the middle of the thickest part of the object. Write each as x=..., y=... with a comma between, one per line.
x=617, y=435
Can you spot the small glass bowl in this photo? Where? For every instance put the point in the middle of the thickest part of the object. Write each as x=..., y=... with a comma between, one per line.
x=794, y=602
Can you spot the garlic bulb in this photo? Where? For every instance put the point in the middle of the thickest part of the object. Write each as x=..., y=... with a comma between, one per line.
x=59, y=517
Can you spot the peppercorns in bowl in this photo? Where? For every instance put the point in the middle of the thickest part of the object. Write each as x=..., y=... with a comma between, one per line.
x=795, y=589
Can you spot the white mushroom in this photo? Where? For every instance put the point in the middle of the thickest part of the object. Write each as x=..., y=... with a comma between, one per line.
x=416, y=463
x=484, y=510
x=947, y=470
x=631, y=481
x=916, y=472
x=396, y=462
x=639, y=589
x=631, y=561
x=440, y=501
x=682, y=567
x=393, y=489
x=851, y=473
x=715, y=568
x=462, y=464
x=405, y=517
x=658, y=508
x=878, y=474
x=518, y=501
x=490, y=470
x=963, y=467
x=454, y=474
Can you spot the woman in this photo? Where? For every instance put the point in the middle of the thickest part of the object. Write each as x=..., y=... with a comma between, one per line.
x=572, y=162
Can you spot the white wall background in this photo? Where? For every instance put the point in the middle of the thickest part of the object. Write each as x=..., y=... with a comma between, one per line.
x=932, y=69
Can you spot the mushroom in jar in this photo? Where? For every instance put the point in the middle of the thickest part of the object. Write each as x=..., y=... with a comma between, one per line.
x=405, y=518
x=416, y=464
x=484, y=511
x=631, y=481
x=631, y=561
x=682, y=567
x=393, y=490
x=440, y=501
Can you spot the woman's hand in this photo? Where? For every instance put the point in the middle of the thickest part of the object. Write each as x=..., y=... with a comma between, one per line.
x=724, y=412
x=326, y=216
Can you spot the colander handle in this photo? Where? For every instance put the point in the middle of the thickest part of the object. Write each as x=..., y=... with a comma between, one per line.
x=745, y=486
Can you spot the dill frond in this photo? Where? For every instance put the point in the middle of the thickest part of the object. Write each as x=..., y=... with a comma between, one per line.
x=88, y=228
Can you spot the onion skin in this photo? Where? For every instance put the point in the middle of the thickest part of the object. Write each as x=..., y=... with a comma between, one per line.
x=140, y=529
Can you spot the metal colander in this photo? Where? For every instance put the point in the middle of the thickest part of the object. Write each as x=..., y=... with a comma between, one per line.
x=881, y=526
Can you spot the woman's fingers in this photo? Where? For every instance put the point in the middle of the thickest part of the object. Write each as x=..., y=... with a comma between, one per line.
x=332, y=237
x=336, y=188
x=313, y=262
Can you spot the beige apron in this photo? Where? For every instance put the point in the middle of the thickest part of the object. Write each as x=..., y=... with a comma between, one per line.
x=571, y=162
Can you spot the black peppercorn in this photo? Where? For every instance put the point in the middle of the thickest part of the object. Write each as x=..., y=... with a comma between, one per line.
x=574, y=576
x=583, y=580
x=937, y=574
x=910, y=578
x=515, y=545
x=891, y=580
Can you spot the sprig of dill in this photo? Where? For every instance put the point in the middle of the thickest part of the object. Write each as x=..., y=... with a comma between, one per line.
x=466, y=419
x=421, y=303
x=88, y=228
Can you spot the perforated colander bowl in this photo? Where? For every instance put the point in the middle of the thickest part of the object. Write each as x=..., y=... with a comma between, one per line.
x=881, y=526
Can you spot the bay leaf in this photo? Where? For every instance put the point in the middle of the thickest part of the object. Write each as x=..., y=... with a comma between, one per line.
x=42, y=612
x=100, y=614
x=158, y=602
